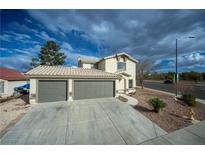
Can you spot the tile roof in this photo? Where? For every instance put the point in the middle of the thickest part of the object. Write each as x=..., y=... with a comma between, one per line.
x=67, y=72
x=10, y=74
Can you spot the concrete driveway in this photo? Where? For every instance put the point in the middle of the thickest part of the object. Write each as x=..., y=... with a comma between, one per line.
x=96, y=121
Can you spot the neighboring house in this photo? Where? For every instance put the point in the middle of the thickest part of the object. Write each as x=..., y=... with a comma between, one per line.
x=9, y=79
x=121, y=64
x=112, y=75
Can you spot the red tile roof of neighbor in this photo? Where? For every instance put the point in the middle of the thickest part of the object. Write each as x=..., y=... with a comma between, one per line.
x=10, y=74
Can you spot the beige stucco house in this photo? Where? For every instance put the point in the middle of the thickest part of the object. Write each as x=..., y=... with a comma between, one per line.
x=121, y=64
x=107, y=77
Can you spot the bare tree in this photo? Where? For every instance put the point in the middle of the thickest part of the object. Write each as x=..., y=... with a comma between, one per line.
x=143, y=68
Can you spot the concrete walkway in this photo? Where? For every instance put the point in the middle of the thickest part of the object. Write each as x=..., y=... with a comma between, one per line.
x=130, y=100
x=191, y=135
x=97, y=121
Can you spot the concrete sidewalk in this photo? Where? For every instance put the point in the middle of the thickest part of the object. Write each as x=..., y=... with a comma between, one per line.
x=191, y=135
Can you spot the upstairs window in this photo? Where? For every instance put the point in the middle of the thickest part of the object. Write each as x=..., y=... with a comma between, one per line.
x=121, y=66
x=130, y=83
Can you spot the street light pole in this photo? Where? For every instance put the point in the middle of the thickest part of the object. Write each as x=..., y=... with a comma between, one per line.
x=176, y=73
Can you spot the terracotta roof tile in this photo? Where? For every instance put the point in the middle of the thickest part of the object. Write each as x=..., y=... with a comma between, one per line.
x=10, y=74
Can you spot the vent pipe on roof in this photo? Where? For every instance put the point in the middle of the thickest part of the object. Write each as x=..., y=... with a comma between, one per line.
x=79, y=58
x=79, y=61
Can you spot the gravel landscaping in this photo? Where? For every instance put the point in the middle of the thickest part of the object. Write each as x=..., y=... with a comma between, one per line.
x=173, y=116
x=12, y=110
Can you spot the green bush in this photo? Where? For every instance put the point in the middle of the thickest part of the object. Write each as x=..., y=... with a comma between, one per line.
x=189, y=99
x=157, y=104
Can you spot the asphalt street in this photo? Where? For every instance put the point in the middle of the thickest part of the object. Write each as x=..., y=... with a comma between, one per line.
x=198, y=89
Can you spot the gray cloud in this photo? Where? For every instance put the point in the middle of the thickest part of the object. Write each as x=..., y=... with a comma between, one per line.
x=141, y=33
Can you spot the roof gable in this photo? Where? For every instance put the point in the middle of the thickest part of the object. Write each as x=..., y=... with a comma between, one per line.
x=120, y=54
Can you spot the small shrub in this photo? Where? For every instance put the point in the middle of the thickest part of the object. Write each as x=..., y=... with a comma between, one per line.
x=157, y=104
x=189, y=99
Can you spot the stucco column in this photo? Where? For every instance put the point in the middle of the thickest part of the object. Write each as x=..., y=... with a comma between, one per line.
x=70, y=90
x=116, y=88
x=33, y=91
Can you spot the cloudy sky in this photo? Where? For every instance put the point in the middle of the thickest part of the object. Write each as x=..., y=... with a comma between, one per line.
x=144, y=34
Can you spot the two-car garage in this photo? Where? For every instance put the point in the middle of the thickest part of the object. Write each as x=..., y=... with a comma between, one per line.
x=57, y=90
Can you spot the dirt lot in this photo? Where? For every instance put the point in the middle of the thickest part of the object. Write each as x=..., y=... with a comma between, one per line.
x=12, y=110
x=172, y=117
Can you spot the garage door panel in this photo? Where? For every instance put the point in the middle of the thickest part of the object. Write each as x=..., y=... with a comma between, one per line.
x=52, y=90
x=93, y=89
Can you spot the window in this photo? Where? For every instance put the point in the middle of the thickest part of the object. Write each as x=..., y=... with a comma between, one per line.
x=130, y=83
x=121, y=66
x=1, y=86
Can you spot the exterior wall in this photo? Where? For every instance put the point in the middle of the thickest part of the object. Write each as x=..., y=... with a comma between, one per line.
x=10, y=85
x=5, y=88
x=111, y=67
x=101, y=65
x=33, y=91
x=33, y=98
x=120, y=85
x=131, y=69
x=13, y=84
x=87, y=66
x=70, y=89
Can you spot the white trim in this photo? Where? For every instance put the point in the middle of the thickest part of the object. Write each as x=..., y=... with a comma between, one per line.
x=120, y=54
x=70, y=89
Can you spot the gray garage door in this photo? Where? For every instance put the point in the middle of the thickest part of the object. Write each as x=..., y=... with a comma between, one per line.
x=84, y=89
x=52, y=90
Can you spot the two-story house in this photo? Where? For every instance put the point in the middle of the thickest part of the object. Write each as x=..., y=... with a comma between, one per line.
x=107, y=77
x=121, y=64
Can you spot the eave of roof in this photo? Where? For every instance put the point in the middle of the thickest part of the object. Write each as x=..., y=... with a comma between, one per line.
x=14, y=79
x=120, y=54
x=11, y=75
x=73, y=77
